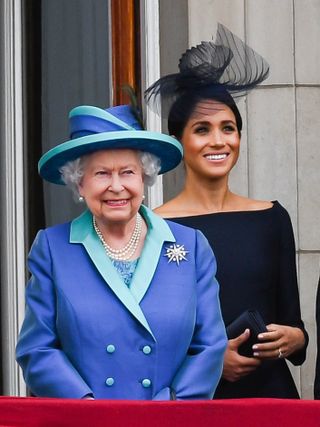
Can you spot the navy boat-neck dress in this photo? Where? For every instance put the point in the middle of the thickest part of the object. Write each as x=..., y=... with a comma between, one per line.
x=256, y=262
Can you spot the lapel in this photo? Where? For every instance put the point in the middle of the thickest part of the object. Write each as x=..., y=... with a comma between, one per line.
x=82, y=231
x=158, y=233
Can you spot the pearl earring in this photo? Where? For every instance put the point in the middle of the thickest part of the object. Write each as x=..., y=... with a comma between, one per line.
x=81, y=199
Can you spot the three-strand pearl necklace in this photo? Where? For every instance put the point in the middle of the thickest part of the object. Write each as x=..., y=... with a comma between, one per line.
x=125, y=253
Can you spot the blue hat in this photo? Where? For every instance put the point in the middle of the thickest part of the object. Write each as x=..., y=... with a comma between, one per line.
x=94, y=129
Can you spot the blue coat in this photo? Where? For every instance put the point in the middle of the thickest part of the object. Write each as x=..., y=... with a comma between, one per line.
x=85, y=332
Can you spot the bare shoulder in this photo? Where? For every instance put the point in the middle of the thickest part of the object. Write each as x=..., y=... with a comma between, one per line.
x=246, y=204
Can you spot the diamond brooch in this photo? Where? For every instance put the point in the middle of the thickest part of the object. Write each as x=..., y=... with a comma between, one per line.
x=176, y=253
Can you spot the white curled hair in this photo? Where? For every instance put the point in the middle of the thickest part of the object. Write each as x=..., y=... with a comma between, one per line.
x=73, y=171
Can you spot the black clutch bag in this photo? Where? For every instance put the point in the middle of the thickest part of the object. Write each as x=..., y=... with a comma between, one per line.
x=249, y=319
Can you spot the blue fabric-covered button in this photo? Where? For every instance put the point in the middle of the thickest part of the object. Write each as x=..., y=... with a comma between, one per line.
x=147, y=349
x=110, y=348
x=146, y=383
x=109, y=381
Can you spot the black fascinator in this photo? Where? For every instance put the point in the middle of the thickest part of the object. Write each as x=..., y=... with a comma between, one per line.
x=221, y=70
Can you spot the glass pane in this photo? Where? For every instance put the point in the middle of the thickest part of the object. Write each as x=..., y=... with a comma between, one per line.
x=75, y=70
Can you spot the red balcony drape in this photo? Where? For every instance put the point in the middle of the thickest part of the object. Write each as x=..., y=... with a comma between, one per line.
x=35, y=412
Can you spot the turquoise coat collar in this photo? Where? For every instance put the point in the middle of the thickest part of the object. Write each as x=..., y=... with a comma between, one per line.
x=82, y=231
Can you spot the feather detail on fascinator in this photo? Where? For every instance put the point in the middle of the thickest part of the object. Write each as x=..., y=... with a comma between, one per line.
x=226, y=65
x=134, y=104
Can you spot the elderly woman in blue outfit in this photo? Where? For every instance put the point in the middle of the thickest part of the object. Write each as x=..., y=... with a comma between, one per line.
x=121, y=304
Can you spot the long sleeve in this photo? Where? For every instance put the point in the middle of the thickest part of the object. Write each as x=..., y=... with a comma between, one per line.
x=201, y=370
x=288, y=310
x=47, y=369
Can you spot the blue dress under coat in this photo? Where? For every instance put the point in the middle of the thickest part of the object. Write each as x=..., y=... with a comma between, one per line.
x=85, y=332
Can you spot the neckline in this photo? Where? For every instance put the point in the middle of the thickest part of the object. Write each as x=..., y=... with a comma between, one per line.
x=125, y=262
x=274, y=204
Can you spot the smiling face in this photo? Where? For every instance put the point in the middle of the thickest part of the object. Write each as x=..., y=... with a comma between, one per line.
x=112, y=185
x=210, y=141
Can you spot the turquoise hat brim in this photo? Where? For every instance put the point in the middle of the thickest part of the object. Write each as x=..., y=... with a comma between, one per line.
x=168, y=149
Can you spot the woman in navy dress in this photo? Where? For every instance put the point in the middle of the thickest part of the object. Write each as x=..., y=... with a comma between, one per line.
x=252, y=239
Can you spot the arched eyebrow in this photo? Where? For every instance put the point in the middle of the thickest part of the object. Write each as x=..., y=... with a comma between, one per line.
x=200, y=122
x=123, y=167
x=208, y=123
x=229, y=121
x=132, y=166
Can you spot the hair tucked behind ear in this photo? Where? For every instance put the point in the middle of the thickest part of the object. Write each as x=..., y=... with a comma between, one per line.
x=151, y=166
x=72, y=173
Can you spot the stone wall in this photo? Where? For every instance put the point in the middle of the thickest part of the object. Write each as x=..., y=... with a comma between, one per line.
x=280, y=151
